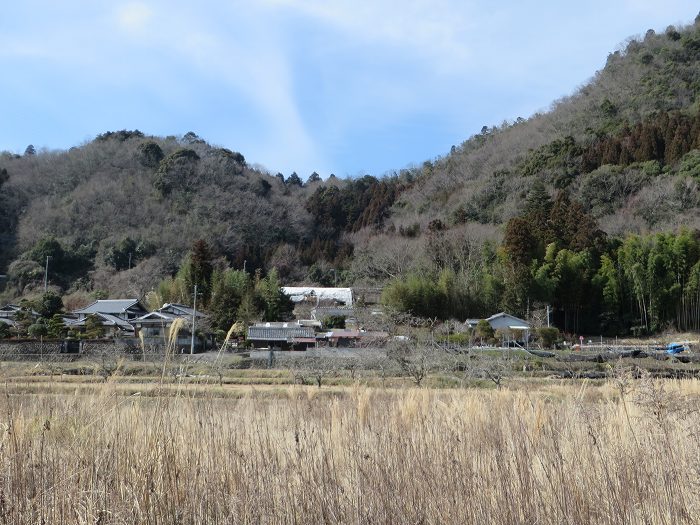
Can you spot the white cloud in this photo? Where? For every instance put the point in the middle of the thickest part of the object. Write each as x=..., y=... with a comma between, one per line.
x=434, y=30
x=252, y=68
x=134, y=16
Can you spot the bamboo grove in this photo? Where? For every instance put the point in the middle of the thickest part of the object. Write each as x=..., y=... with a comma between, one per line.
x=554, y=254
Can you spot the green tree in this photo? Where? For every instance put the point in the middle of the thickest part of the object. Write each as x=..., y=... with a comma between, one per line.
x=201, y=269
x=485, y=331
x=548, y=336
x=127, y=253
x=230, y=288
x=334, y=321
x=94, y=329
x=38, y=329
x=248, y=311
x=5, y=331
x=294, y=180
x=48, y=247
x=24, y=318
x=56, y=327
x=276, y=306
x=49, y=304
x=176, y=171
x=150, y=154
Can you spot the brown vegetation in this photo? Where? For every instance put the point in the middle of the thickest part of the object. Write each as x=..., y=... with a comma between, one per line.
x=621, y=453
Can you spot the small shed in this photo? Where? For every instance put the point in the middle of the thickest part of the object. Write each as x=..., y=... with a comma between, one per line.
x=501, y=321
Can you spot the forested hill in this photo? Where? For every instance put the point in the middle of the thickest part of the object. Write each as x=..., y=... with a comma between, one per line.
x=502, y=217
x=120, y=213
x=624, y=144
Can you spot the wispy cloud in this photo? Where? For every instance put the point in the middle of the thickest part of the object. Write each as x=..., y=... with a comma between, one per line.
x=134, y=16
x=304, y=85
x=432, y=30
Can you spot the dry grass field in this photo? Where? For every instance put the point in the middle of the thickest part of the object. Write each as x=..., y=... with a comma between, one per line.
x=626, y=451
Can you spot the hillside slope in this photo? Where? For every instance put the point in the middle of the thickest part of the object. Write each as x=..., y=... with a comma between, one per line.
x=119, y=213
x=485, y=179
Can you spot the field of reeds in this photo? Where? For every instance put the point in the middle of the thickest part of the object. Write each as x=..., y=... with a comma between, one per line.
x=626, y=451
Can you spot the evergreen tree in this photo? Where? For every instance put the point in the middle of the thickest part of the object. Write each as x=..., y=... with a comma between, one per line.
x=201, y=269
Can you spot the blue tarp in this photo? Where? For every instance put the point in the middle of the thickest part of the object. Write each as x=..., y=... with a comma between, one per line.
x=674, y=348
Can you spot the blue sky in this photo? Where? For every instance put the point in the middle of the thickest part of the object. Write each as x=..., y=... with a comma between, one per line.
x=345, y=87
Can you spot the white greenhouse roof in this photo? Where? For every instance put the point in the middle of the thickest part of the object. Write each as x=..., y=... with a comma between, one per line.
x=300, y=293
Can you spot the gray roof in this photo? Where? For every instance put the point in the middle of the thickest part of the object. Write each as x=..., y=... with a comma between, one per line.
x=9, y=308
x=107, y=320
x=180, y=310
x=278, y=333
x=503, y=319
x=510, y=319
x=325, y=311
x=110, y=306
x=155, y=317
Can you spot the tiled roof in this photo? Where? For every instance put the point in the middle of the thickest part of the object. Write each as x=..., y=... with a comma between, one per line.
x=109, y=306
x=270, y=333
x=9, y=308
x=326, y=311
x=155, y=317
x=180, y=310
x=107, y=320
x=339, y=334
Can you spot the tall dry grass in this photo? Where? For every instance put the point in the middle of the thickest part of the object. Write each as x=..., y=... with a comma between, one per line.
x=625, y=453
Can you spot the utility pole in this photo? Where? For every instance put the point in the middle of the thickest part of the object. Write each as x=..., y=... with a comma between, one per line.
x=46, y=273
x=129, y=260
x=194, y=315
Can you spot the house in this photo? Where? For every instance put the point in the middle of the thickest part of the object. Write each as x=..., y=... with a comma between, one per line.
x=501, y=321
x=343, y=337
x=367, y=296
x=318, y=295
x=114, y=326
x=282, y=335
x=13, y=315
x=180, y=310
x=9, y=311
x=125, y=309
x=322, y=312
x=154, y=328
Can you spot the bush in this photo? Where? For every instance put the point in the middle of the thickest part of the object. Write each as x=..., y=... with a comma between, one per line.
x=548, y=336
x=485, y=331
x=49, y=304
x=38, y=329
x=334, y=321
